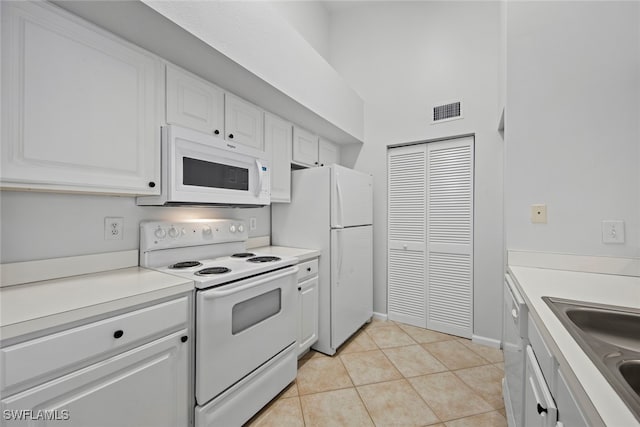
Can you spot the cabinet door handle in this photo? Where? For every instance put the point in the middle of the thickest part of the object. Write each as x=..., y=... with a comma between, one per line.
x=299, y=288
x=118, y=334
x=152, y=184
x=309, y=269
x=216, y=132
x=541, y=409
x=230, y=136
x=316, y=163
x=184, y=338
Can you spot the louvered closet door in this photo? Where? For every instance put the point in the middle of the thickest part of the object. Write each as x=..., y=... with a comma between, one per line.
x=450, y=236
x=406, y=279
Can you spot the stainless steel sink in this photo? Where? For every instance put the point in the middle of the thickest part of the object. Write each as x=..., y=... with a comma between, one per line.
x=610, y=336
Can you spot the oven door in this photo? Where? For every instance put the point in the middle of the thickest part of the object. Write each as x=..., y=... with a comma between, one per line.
x=240, y=326
x=206, y=169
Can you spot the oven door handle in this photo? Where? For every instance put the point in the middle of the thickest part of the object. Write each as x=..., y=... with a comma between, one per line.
x=225, y=291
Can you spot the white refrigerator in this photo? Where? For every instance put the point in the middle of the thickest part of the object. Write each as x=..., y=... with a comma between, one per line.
x=331, y=210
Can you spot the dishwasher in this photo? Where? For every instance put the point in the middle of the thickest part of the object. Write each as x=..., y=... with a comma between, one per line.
x=514, y=344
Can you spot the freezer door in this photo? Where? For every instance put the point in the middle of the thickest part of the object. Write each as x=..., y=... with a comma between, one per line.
x=351, y=281
x=351, y=197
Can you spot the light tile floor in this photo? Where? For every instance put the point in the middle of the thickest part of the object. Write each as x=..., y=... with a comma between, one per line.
x=391, y=374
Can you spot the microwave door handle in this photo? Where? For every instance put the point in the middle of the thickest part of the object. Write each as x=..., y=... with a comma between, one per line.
x=259, y=167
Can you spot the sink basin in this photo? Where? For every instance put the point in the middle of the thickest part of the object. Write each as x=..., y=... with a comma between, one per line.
x=631, y=372
x=616, y=328
x=610, y=336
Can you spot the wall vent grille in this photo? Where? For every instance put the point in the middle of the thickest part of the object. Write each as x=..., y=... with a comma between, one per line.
x=447, y=112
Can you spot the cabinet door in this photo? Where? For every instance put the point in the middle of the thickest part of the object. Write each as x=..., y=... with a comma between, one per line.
x=327, y=153
x=569, y=412
x=146, y=386
x=194, y=103
x=277, y=140
x=243, y=123
x=80, y=106
x=308, y=306
x=539, y=407
x=305, y=147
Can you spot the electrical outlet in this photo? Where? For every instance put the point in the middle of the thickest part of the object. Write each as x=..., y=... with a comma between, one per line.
x=253, y=223
x=113, y=228
x=539, y=214
x=612, y=231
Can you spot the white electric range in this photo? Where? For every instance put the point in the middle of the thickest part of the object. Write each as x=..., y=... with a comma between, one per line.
x=245, y=320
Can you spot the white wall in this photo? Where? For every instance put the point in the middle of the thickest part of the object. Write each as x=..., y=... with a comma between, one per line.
x=573, y=125
x=403, y=58
x=48, y=225
x=311, y=19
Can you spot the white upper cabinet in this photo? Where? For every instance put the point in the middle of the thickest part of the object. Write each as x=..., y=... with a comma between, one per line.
x=310, y=150
x=278, y=135
x=194, y=103
x=305, y=147
x=244, y=122
x=80, y=107
x=327, y=153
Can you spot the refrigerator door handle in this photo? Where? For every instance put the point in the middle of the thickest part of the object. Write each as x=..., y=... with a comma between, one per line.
x=339, y=254
x=339, y=207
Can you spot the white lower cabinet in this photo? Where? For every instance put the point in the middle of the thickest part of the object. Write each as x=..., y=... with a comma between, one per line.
x=549, y=400
x=569, y=413
x=130, y=369
x=146, y=386
x=307, y=305
x=539, y=407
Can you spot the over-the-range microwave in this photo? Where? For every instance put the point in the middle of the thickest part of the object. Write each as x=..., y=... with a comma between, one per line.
x=200, y=169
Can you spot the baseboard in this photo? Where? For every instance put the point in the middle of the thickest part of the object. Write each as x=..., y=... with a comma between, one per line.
x=490, y=342
x=380, y=316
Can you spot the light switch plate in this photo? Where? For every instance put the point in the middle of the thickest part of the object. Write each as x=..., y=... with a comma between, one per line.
x=612, y=231
x=539, y=214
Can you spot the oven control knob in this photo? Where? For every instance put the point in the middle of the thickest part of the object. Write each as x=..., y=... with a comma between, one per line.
x=160, y=233
x=240, y=228
x=173, y=232
x=232, y=228
x=206, y=231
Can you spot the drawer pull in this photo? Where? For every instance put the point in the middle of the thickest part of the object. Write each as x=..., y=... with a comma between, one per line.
x=118, y=334
x=299, y=288
x=184, y=338
x=541, y=409
x=309, y=269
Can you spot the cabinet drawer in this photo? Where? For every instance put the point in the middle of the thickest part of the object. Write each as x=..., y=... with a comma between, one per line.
x=41, y=357
x=307, y=269
x=545, y=359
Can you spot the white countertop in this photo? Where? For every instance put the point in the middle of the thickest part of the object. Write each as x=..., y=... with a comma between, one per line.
x=301, y=253
x=35, y=306
x=589, y=287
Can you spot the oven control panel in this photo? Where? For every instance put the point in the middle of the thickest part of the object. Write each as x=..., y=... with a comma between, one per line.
x=165, y=235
